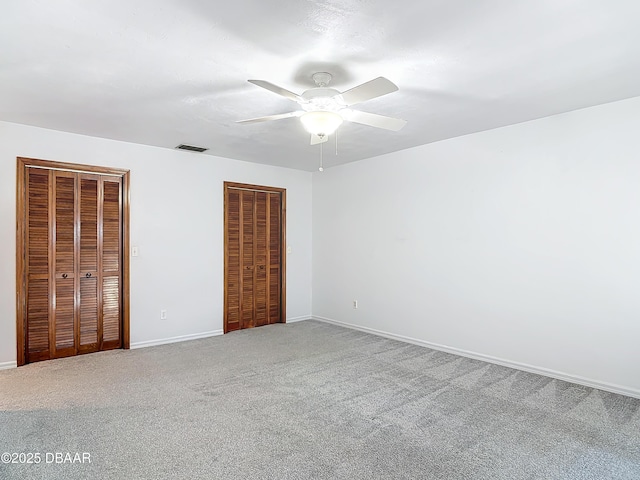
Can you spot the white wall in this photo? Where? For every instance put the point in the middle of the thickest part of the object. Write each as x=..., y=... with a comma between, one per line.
x=521, y=244
x=176, y=222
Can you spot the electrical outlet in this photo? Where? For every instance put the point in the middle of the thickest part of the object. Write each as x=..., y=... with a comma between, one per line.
x=355, y=304
x=163, y=314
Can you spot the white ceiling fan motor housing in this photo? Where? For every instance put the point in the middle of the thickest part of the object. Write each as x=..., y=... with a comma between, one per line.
x=322, y=98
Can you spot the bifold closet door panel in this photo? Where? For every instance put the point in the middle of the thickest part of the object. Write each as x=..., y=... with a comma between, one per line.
x=111, y=263
x=248, y=251
x=274, y=257
x=89, y=273
x=261, y=270
x=233, y=270
x=64, y=271
x=37, y=258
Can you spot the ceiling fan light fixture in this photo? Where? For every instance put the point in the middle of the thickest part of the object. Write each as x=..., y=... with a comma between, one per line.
x=321, y=122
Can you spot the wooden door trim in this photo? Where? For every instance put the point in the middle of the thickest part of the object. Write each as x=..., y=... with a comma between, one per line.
x=20, y=259
x=22, y=164
x=283, y=242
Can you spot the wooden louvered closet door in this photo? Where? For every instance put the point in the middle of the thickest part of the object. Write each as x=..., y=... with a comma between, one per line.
x=73, y=264
x=254, y=263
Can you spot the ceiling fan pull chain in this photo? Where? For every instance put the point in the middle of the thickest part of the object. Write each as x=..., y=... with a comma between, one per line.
x=336, y=143
x=321, y=168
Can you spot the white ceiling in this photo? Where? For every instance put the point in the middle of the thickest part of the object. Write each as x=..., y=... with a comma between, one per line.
x=164, y=72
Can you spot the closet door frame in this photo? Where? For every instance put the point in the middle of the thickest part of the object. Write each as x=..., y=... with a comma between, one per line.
x=21, y=230
x=283, y=249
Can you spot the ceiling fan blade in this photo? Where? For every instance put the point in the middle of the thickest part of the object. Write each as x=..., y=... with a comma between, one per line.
x=270, y=117
x=373, y=120
x=371, y=89
x=316, y=139
x=279, y=90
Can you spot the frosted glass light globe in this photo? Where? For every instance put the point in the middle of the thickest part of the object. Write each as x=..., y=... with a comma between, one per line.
x=321, y=122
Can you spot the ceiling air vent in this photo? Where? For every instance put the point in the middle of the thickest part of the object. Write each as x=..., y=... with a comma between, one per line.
x=191, y=148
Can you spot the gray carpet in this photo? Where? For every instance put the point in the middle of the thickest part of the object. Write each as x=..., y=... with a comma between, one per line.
x=309, y=401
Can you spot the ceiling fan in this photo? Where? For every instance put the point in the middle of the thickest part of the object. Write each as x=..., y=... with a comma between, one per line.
x=324, y=108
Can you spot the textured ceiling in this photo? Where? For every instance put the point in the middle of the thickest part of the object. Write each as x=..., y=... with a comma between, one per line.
x=167, y=72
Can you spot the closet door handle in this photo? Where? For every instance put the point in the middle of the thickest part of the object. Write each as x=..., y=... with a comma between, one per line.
x=64, y=275
x=261, y=267
x=88, y=274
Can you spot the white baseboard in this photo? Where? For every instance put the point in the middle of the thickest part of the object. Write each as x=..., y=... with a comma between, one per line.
x=182, y=338
x=299, y=319
x=587, y=382
x=195, y=336
x=7, y=365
